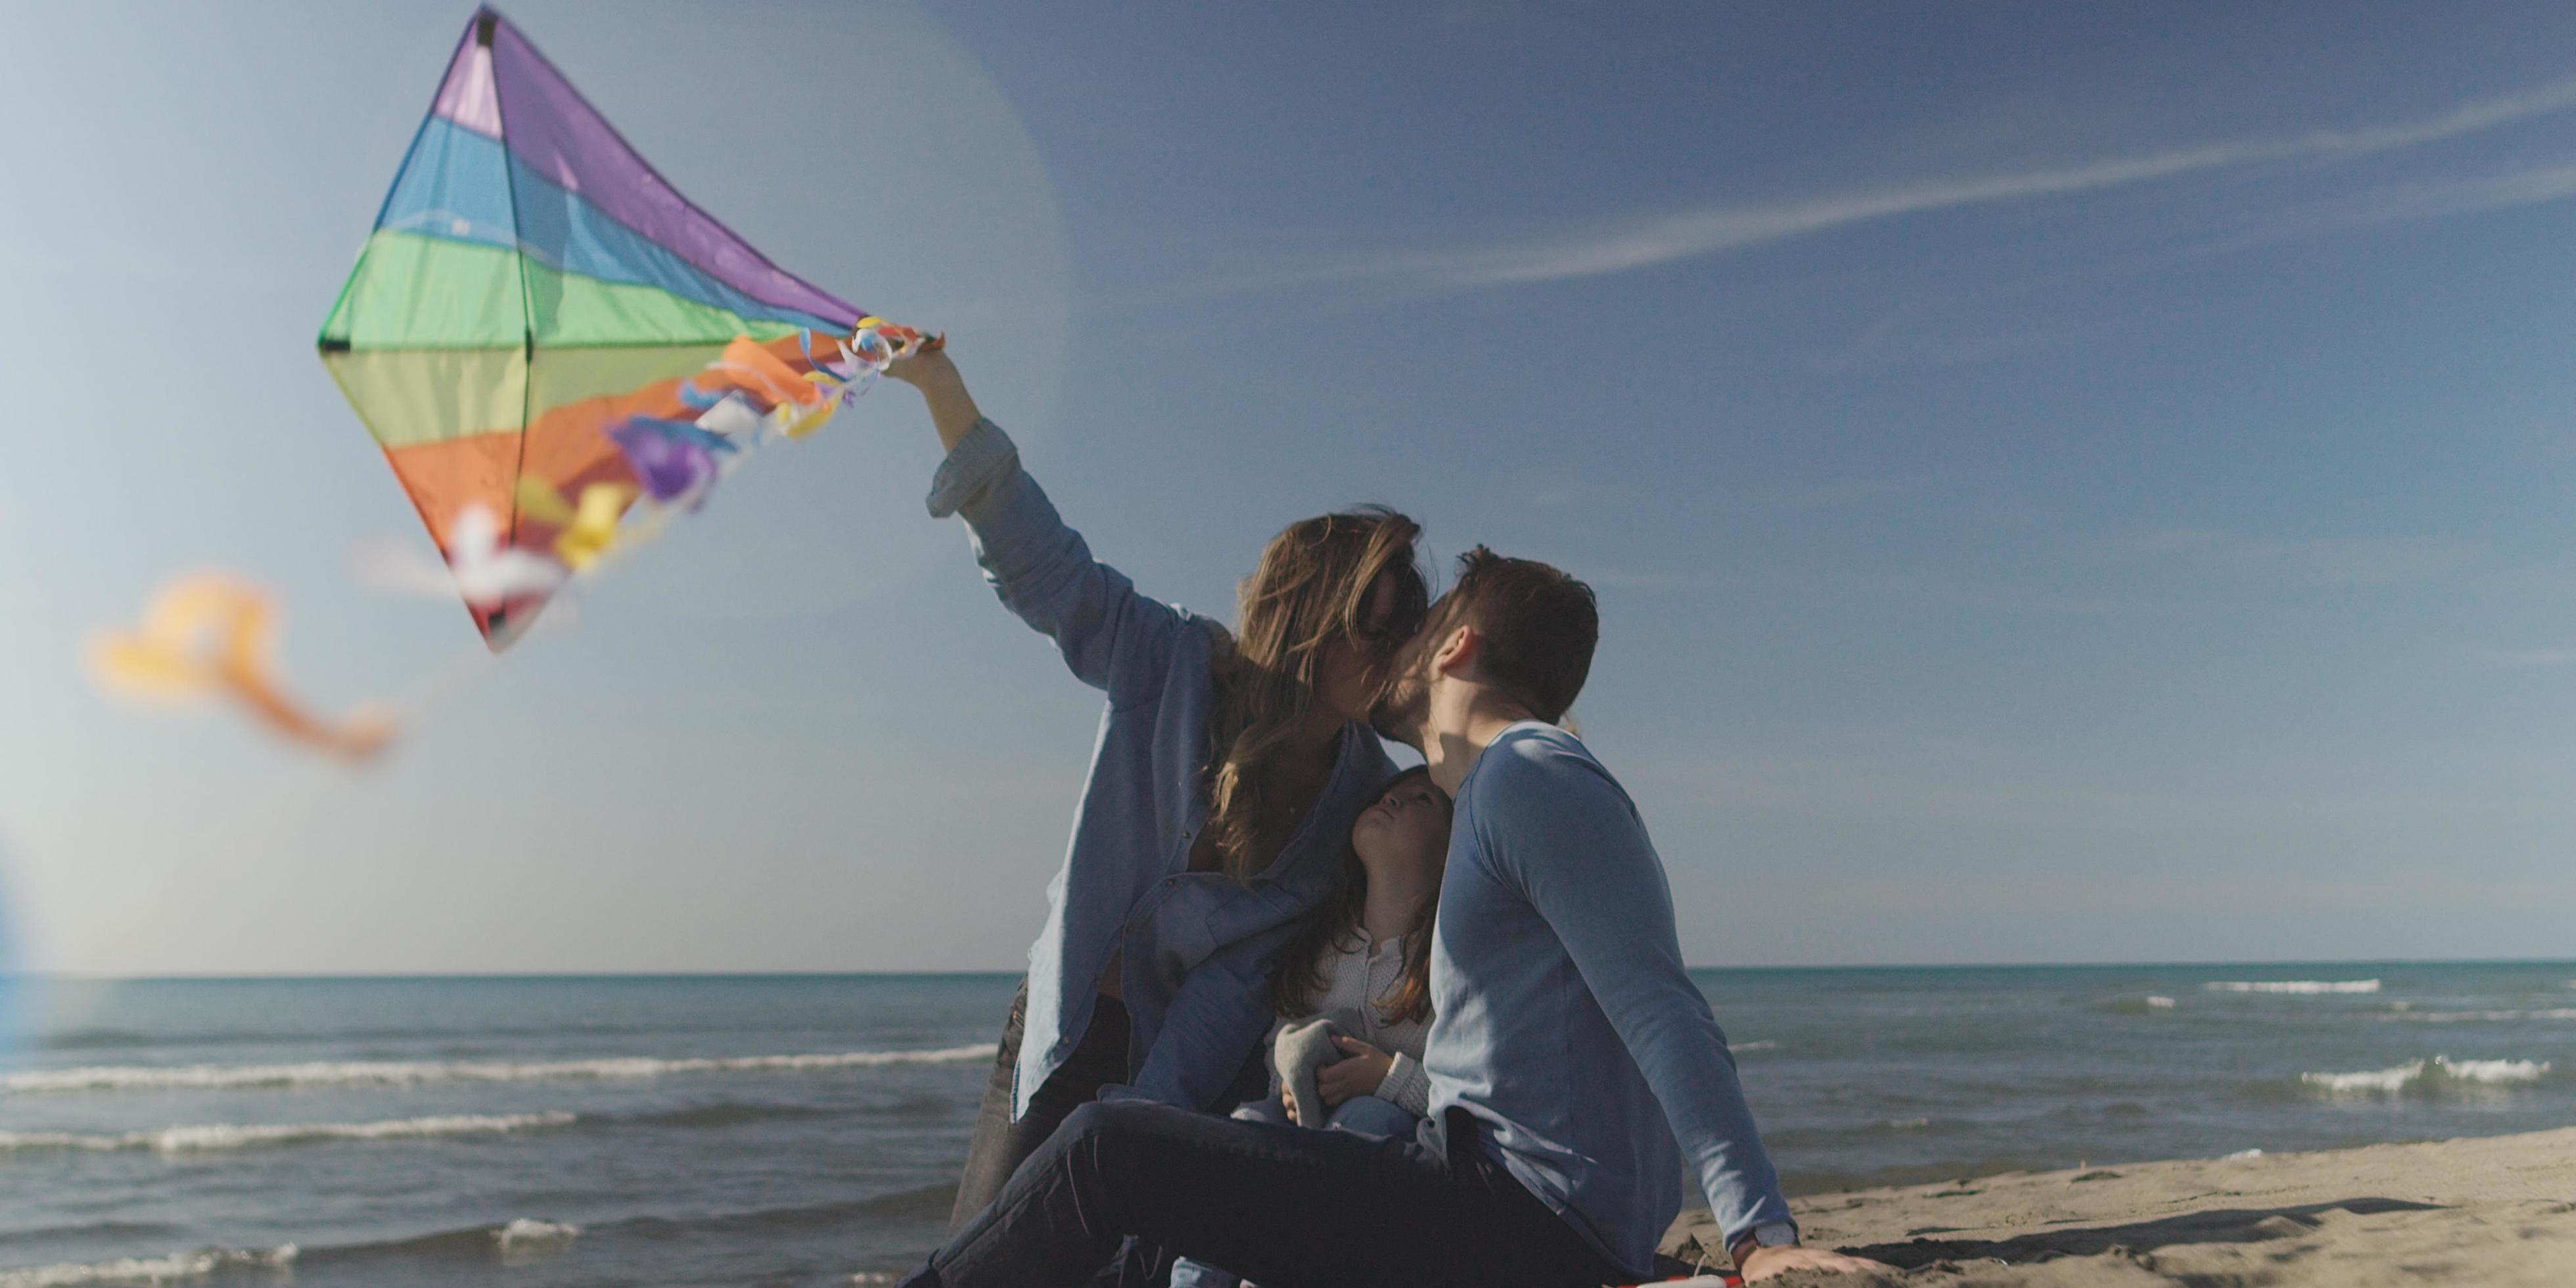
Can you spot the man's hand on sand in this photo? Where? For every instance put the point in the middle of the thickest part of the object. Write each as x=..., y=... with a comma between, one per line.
x=1762, y=1263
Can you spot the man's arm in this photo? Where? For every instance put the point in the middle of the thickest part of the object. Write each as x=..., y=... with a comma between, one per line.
x=1558, y=825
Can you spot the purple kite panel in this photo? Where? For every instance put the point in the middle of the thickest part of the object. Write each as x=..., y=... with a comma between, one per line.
x=548, y=124
x=466, y=96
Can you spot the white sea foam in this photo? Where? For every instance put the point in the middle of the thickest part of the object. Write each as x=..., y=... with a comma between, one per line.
x=525, y=1240
x=2160, y=1003
x=1908, y=1124
x=406, y=1072
x=2240, y=1155
x=530, y=1230
x=2462, y=1017
x=177, y=1267
x=216, y=1136
x=1753, y=1046
x=2389, y=1082
x=2369, y=1080
x=2304, y=986
x=2493, y=1071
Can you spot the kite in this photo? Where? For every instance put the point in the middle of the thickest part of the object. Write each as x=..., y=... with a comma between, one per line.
x=211, y=635
x=537, y=307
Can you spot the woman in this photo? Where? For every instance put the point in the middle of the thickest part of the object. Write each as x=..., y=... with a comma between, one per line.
x=1353, y=992
x=1228, y=771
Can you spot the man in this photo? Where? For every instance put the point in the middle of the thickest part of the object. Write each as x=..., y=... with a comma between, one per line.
x=1573, y=1064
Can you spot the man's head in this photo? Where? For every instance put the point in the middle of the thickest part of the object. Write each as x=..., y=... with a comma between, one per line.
x=1517, y=628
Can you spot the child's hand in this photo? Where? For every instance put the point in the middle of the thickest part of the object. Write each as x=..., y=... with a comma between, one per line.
x=1358, y=1073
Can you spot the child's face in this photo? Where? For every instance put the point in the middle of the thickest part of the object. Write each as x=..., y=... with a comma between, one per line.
x=1407, y=825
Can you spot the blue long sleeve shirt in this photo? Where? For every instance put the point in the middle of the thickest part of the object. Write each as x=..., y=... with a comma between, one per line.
x=1564, y=1021
x=1195, y=949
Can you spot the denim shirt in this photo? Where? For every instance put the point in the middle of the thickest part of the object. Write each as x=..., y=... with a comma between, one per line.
x=1195, y=948
x=1563, y=1020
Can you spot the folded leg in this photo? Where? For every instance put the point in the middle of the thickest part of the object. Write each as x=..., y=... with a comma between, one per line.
x=1284, y=1207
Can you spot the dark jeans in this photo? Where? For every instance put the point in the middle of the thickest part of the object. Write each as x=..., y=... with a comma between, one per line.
x=999, y=1143
x=1281, y=1206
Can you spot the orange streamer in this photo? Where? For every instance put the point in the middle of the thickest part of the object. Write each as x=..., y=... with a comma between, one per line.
x=213, y=635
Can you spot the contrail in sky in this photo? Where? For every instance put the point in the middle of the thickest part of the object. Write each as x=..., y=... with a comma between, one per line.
x=1645, y=242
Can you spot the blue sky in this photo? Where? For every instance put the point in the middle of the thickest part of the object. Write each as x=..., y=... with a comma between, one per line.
x=2064, y=482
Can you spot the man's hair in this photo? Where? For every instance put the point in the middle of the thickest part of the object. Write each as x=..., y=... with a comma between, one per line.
x=1539, y=628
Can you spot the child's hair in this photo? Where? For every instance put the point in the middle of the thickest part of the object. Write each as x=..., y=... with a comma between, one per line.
x=1300, y=977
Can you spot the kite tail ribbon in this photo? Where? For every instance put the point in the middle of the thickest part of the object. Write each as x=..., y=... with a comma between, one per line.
x=210, y=635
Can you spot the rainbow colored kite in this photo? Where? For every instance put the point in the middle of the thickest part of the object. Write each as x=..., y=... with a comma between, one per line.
x=532, y=286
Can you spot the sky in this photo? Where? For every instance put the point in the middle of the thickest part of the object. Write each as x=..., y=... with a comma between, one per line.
x=2064, y=482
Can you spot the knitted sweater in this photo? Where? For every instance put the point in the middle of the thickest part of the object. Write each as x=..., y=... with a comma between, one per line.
x=1357, y=972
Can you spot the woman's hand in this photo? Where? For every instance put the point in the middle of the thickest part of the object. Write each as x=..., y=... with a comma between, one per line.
x=924, y=367
x=952, y=409
x=1358, y=1073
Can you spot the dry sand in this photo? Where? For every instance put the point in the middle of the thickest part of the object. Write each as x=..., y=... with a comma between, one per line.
x=2500, y=1210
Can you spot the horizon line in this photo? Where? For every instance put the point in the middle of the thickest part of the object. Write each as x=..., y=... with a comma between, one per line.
x=997, y=973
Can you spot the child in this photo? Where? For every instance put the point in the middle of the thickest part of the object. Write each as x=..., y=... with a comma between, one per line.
x=1354, y=987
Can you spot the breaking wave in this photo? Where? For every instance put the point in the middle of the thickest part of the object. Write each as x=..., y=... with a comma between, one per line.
x=2463, y=1017
x=174, y=1268
x=2303, y=986
x=2428, y=1075
x=218, y=1136
x=346, y=1073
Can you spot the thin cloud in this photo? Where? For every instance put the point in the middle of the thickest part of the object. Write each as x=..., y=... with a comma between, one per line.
x=1644, y=243
x=2051, y=310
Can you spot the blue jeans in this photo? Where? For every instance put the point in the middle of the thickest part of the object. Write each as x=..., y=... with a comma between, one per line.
x=1282, y=1206
x=1359, y=1115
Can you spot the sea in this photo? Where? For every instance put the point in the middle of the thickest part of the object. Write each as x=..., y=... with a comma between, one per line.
x=807, y=1129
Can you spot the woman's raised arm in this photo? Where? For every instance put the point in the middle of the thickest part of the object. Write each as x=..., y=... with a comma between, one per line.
x=952, y=409
x=1112, y=637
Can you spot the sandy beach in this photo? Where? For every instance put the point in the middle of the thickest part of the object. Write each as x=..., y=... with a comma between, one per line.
x=2499, y=1210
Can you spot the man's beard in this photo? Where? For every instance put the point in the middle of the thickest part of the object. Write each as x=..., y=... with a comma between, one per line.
x=1402, y=708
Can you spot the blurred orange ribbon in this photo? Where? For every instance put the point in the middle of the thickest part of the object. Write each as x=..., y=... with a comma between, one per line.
x=213, y=634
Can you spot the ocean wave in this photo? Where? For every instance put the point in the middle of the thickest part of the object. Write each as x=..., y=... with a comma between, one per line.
x=175, y=1267
x=2427, y=1075
x=2147, y=1005
x=2463, y=1017
x=525, y=1240
x=2299, y=986
x=730, y=1115
x=345, y=1073
x=510, y=1243
x=1753, y=1046
x=114, y=1038
x=93, y=1230
x=220, y=1136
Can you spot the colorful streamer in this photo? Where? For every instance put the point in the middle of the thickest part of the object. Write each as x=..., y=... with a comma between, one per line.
x=213, y=635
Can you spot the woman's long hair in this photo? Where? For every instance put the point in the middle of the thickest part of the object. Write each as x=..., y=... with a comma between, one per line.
x=1310, y=591
x=1300, y=977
